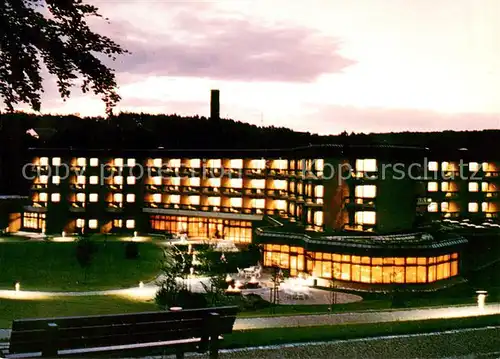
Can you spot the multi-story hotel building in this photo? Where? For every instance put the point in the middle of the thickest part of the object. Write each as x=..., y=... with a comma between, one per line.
x=355, y=213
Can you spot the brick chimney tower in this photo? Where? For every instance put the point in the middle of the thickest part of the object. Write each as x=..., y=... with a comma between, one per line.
x=214, y=104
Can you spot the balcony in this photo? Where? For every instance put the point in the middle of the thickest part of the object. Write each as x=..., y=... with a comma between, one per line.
x=312, y=202
x=191, y=190
x=232, y=192
x=38, y=186
x=254, y=192
x=114, y=207
x=36, y=207
x=277, y=193
x=154, y=188
x=77, y=207
x=253, y=173
x=210, y=190
x=359, y=203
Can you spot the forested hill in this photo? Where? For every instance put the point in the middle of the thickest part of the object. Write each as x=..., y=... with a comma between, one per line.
x=129, y=130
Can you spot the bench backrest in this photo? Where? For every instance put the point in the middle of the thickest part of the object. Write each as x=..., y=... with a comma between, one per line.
x=30, y=335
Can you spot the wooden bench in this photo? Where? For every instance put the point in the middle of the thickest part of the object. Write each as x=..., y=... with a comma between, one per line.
x=192, y=330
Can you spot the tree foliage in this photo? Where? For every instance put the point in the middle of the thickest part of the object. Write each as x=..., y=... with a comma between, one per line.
x=56, y=33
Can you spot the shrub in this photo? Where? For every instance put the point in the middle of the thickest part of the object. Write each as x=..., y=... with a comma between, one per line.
x=183, y=298
x=131, y=250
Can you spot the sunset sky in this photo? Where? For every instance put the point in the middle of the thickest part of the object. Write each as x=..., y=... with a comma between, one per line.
x=318, y=65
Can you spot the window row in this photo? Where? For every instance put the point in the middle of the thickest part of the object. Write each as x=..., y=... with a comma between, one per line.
x=212, y=228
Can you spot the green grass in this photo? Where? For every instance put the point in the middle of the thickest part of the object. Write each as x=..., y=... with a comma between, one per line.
x=69, y=306
x=274, y=336
x=52, y=266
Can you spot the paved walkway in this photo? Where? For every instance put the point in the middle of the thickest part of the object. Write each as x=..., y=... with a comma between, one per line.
x=365, y=317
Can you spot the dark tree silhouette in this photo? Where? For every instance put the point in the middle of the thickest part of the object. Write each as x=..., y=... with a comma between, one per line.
x=55, y=32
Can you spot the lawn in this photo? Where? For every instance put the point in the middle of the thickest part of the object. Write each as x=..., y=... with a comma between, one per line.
x=69, y=306
x=53, y=266
x=275, y=336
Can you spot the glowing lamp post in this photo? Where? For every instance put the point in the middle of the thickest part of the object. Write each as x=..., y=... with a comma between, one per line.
x=63, y=234
x=141, y=284
x=135, y=234
x=17, y=286
x=481, y=298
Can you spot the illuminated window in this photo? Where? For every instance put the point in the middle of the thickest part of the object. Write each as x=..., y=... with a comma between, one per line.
x=194, y=200
x=432, y=186
x=195, y=181
x=280, y=204
x=175, y=181
x=80, y=197
x=235, y=202
x=445, y=166
x=214, y=201
x=432, y=207
x=258, y=203
x=157, y=198
x=366, y=191
x=43, y=197
x=93, y=179
x=473, y=166
x=118, y=197
x=445, y=186
x=444, y=206
x=174, y=198
x=93, y=223
x=318, y=218
x=157, y=180
x=55, y=197
x=157, y=162
x=93, y=197
x=319, y=164
x=257, y=164
x=130, y=197
x=130, y=223
x=319, y=191
x=118, y=180
x=258, y=183
x=44, y=161
x=80, y=223
x=236, y=183
x=174, y=163
x=473, y=206
x=80, y=180
x=366, y=165
x=485, y=207
x=44, y=179
x=131, y=162
x=236, y=164
x=118, y=162
x=473, y=186
x=432, y=166
x=484, y=186
x=195, y=163
x=94, y=162
x=485, y=166
x=281, y=164
x=56, y=161
x=214, y=182
x=131, y=180
x=56, y=180
x=280, y=184
x=365, y=217
x=82, y=162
